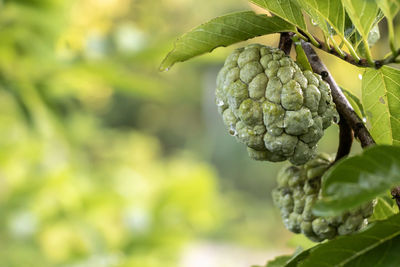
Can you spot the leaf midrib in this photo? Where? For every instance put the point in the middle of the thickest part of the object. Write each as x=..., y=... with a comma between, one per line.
x=366, y=249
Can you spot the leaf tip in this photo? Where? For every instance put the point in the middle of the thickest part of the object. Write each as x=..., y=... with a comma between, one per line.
x=165, y=65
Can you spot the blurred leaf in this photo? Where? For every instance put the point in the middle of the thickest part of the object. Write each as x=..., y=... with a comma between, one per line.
x=363, y=14
x=389, y=8
x=331, y=11
x=355, y=102
x=121, y=78
x=378, y=245
x=223, y=31
x=286, y=9
x=20, y=103
x=40, y=4
x=381, y=100
x=356, y=180
x=382, y=210
x=74, y=190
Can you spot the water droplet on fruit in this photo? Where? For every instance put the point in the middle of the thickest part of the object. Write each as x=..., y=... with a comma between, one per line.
x=232, y=131
x=360, y=76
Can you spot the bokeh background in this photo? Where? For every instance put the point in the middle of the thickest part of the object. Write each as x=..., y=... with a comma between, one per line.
x=105, y=161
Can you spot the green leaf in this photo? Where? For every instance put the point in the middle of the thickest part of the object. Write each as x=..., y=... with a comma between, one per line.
x=373, y=36
x=349, y=29
x=330, y=10
x=381, y=100
x=356, y=180
x=279, y=261
x=301, y=57
x=318, y=20
x=378, y=245
x=294, y=261
x=363, y=14
x=286, y=9
x=389, y=8
x=355, y=102
x=382, y=210
x=223, y=31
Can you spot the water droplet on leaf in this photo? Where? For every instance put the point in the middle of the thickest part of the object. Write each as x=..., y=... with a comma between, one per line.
x=313, y=22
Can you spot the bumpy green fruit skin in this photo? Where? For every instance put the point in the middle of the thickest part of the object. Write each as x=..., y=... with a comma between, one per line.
x=298, y=189
x=268, y=103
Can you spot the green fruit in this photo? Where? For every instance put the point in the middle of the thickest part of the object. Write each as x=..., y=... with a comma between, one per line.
x=273, y=107
x=298, y=189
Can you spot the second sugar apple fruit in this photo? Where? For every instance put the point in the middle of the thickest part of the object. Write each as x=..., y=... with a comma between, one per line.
x=268, y=103
x=298, y=189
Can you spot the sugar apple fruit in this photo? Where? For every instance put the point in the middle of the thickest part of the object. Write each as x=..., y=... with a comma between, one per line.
x=268, y=103
x=298, y=189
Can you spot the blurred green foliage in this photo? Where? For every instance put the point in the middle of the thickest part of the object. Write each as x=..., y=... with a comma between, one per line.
x=104, y=161
x=81, y=185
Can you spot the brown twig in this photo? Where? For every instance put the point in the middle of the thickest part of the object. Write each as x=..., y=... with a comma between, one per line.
x=342, y=104
x=285, y=42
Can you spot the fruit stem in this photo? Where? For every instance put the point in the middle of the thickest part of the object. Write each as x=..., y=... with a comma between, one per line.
x=368, y=53
x=336, y=47
x=345, y=139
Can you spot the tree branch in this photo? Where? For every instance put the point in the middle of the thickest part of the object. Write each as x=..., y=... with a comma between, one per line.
x=347, y=57
x=343, y=106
